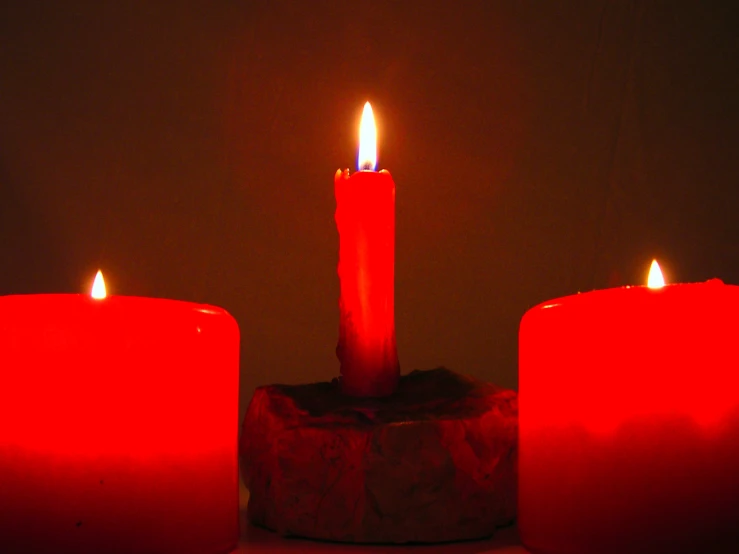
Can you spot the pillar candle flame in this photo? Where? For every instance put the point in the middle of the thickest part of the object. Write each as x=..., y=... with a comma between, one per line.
x=655, y=280
x=98, y=287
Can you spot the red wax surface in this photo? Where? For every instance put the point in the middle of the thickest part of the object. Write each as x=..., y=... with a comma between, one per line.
x=118, y=425
x=629, y=420
x=365, y=218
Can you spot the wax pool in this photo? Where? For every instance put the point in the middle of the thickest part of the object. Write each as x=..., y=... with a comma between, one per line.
x=118, y=428
x=629, y=420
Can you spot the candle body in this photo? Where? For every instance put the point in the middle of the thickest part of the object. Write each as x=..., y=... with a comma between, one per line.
x=629, y=420
x=118, y=425
x=365, y=219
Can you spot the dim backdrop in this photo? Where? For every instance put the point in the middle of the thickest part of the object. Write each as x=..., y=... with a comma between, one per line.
x=539, y=149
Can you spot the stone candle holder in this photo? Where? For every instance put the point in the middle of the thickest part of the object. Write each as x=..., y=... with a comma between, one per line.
x=434, y=462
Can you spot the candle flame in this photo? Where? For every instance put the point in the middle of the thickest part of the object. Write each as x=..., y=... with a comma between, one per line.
x=98, y=287
x=367, y=159
x=655, y=280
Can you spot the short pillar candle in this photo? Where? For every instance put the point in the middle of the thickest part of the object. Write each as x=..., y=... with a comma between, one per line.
x=117, y=425
x=629, y=420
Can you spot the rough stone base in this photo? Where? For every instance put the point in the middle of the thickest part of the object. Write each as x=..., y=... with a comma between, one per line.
x=434, y=462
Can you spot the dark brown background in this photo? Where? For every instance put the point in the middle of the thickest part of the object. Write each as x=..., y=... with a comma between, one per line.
x=539, y=148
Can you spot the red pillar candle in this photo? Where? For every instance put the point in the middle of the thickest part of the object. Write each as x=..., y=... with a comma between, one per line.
x=365, y=218
x=117, y=425
x=629, y=420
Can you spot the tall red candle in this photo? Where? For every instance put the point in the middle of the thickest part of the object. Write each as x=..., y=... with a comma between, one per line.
x=629, y=420
x=118, y=424
x=365, y=218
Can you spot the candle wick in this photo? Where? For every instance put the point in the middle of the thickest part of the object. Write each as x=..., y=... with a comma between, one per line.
x=366, y=166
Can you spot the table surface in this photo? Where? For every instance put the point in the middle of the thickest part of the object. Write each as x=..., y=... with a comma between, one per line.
x=254, y=539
